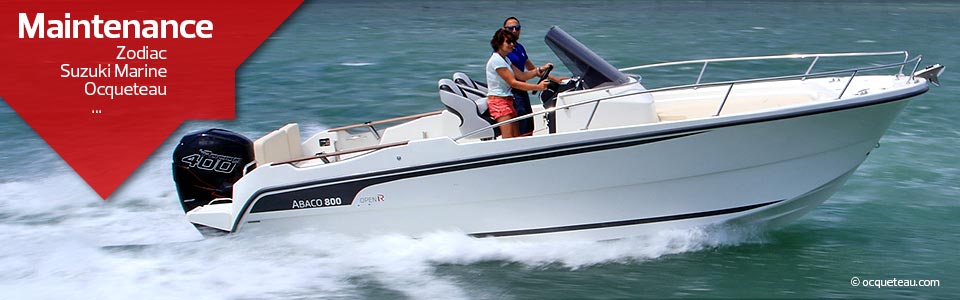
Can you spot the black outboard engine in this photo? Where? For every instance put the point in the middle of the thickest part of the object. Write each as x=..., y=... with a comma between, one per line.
x=207, y=163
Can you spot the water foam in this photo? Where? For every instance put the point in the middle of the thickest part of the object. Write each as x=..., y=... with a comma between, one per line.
x=357, y=64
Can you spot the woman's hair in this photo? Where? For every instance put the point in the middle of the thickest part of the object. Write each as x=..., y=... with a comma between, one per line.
x=508, y=20
x=502, y=35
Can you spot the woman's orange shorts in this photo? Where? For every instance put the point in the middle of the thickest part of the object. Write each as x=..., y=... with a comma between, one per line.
x=500, y=106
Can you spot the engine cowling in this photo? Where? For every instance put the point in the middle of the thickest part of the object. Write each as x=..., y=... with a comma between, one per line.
x=207, y=163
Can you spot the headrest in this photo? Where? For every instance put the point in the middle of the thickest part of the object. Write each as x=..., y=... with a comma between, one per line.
x=451, y=87
x=462, y=79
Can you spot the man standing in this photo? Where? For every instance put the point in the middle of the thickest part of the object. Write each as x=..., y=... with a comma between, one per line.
x=525, y=69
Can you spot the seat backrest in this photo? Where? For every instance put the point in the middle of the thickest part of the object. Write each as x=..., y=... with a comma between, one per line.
x=279, y=145
x=468, y=110
x=463, y=80
x=473, y=94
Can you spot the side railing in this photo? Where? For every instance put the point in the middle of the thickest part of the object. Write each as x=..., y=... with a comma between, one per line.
x=371, y=125
x=324, y=156
x=730, y=84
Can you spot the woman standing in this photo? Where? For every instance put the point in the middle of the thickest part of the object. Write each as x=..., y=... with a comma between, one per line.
x=501, y=81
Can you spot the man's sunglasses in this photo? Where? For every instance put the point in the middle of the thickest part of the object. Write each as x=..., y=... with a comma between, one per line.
x=512, y=27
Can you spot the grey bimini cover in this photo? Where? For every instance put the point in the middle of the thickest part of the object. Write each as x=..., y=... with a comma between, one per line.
x=581, y=61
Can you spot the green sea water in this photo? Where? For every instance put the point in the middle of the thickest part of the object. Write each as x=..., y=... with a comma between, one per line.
x=337, y=63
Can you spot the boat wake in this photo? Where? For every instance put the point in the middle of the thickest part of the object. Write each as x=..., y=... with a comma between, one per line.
x=313, y=263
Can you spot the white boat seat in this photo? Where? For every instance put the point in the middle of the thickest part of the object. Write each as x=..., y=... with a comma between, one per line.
x=472, y=113
x=473, y=94
x=463, y=80
x=279, y=145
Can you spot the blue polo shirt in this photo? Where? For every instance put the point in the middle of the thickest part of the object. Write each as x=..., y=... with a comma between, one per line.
x=518, y=57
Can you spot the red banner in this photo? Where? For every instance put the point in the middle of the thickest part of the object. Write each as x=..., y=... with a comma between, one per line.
x=104, y=83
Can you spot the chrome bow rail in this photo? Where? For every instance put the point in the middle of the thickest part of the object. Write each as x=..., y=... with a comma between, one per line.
x=816, y=58
x=705, y=62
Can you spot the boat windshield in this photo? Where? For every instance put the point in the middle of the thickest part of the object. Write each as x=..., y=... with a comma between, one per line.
x=581, y=61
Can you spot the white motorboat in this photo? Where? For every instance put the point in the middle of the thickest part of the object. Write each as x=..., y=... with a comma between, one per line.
x=616, y=159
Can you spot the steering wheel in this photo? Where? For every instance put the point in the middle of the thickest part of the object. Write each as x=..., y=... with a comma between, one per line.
x=546, y=74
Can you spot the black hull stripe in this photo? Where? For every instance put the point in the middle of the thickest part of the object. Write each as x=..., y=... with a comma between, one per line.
x=631, y=140
x=621, y=223
x=348, y=189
